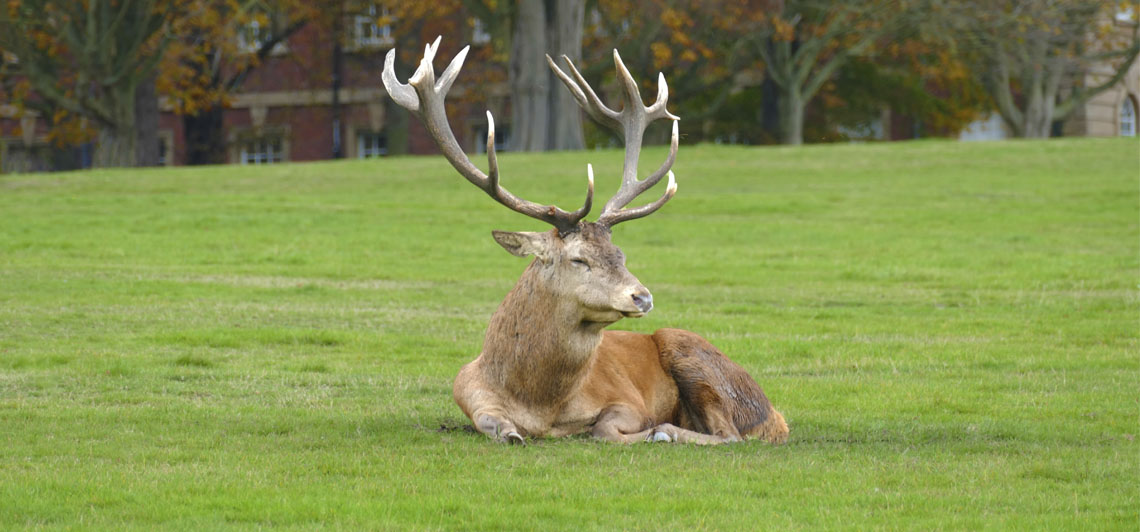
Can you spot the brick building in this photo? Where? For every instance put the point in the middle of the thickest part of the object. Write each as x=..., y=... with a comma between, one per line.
x=285, y=109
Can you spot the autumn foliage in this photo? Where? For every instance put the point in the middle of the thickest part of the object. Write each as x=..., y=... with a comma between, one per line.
x=750, y=71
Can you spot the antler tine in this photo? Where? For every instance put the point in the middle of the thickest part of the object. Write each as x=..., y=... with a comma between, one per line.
x=587, y=99
x=401, y=93
x=506, y=198
x=610, y=219
x=631, y=189
x=635, y=118
x=632, y=92
x=424, y=96
x=630, y=123
x=658, y=107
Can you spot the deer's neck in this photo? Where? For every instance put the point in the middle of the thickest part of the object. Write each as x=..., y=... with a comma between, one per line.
x=537, y=346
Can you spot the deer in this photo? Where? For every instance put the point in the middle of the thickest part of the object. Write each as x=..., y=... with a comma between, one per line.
x=548, y=366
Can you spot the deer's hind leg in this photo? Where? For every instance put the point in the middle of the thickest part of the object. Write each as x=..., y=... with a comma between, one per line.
x=669, y=432
x=717, y=396
x=622, y=424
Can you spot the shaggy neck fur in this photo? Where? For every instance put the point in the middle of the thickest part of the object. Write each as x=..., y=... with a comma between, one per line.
x=537, y=345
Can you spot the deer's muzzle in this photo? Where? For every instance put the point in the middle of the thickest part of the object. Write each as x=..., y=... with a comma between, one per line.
x=643, y=300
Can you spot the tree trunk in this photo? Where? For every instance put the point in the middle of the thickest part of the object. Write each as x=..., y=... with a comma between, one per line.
x=529, y=80
x=396, y=122
x=205, y=137
x=1041, y=99
x=146, y=123
x=564, y=30
x=115, y=149
x=770, y=109
x=791, y=106
x=118, y=144
x=1038, y=123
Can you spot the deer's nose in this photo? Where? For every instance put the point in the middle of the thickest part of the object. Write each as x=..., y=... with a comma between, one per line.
x=643, y=301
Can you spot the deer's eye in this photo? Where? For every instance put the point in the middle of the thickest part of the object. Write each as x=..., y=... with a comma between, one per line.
x=580, y=262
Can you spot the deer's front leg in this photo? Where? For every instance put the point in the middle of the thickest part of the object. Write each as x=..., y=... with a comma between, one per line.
x=498, y=427
x=484, y=407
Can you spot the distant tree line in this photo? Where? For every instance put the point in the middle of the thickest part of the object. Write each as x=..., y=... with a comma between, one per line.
x=752, y=71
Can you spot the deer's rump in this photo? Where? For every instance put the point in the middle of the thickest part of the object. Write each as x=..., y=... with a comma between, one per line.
x=715, y=395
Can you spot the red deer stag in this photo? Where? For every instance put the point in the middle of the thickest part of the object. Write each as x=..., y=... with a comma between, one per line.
x=548, y=367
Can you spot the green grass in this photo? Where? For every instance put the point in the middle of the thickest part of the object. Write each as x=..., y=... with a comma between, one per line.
x=951, y=330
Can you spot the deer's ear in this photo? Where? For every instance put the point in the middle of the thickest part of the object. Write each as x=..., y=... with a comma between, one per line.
x=523, y=243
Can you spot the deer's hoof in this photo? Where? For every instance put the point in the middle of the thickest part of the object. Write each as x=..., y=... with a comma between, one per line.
x=514, y=438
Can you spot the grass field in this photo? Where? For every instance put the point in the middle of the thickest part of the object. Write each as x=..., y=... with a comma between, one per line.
x=951, y=330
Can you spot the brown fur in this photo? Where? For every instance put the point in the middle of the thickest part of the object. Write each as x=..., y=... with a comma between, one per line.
x=549, y=369
x=717, y=396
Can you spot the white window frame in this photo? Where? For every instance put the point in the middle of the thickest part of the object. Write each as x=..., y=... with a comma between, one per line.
x=1128, y=117
x=479, y=33
x=368, y=144
x=367, y=33
x=262, y=150
x=165, y=147
x=252, y=37
x=1125, y=15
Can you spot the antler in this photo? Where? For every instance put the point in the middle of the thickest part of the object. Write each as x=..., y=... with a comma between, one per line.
x=424, y=95
x=630, y=123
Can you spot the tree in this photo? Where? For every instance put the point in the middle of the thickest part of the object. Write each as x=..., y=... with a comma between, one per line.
x=920, y=79
x=697, y=44
x=542, y=116
x=220, y=43
x=87, y=60
x=1033, y=55
x=749, y=70
x=804, y=42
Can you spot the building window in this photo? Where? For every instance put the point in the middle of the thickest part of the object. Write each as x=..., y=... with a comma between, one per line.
x=265, y=150
x=371, y=144
x=502, y=138
x=165, y=147
x=368, y=30
x=18, y=157
x=1128, y=117
x=1125, y=14
x=253, y=36
x=479, y=33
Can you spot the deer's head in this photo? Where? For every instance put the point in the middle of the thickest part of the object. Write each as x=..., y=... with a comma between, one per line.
x=584, y=267
x=576, y=260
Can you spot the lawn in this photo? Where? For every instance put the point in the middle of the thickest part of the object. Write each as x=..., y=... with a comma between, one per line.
x=951, y=329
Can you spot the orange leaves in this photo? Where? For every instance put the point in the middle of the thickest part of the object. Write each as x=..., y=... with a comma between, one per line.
x=46, y=42
x=662, y=54
x=187, y=82
x=782, y=30
x=674, y=19
x=68, y=129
